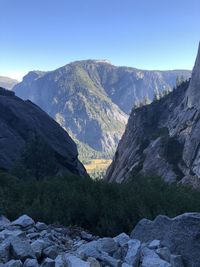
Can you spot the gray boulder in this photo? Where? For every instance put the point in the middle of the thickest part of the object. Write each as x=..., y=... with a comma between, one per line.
x=88, y=250
x=4, y=251
x=180, y=234
x=73, y=261
x=20, y=249
x=48, y=263
x=23, y=221
x=4, y=221
x=122, y=239
x=37, y=247
x=51, y=252
x=31, y=263
x=177, y=261
x=107, y=259
x=133, y=254
x=7, y=233
x=164, y=253
x=151, y=259
x=107, y=244
x=14, y=263
x=93, y=262
x=40, y=226
x=154, y=244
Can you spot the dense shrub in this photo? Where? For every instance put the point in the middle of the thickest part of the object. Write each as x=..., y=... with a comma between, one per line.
x=104, y=209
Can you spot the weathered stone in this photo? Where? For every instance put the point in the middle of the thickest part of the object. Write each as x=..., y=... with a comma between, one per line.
x=31, y=263
x=173, y=234
x=133, y=254
x=4, y=221
x=51, y=252
x=14, y=263
x=107, y=244
x=154, y=244
x=73, y=261
x=126, y=265
x=93, y=262
x=40, y=226
x=7, y=233
x=122, y=239
x=37, y=247
x=88, y=250
x=86, y=236
x=164, y=253
x=151, y=259
x=106, y=258
x=176, y=261
x=4, y=251
x=20, y=249
x=119, y=253
x=59, y=261
x=48, y=263
x=24, y=221
x=33, y=235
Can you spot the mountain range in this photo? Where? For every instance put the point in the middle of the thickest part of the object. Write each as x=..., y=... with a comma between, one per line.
x=163, y=138
x=7, y=82
x=92, y=99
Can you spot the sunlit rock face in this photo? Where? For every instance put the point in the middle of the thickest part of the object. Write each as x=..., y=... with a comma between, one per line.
x=193, y=93
x=93, y=98
x=163, y=138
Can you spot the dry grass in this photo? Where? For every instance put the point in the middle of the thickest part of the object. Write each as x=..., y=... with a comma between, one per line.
x=97, y=165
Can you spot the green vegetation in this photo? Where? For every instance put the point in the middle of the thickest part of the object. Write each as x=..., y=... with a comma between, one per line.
x=104, y=209
x=37, y=160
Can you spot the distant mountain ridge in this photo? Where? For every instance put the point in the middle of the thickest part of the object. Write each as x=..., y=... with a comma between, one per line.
x=7, y=82
x=92, y=98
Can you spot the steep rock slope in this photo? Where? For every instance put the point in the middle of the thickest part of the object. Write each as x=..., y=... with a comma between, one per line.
x=7, y=82
x=19, y=120
x=91, y=99
x=163, y=137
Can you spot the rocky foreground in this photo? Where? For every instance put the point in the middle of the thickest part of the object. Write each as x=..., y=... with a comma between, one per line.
x=26, y=243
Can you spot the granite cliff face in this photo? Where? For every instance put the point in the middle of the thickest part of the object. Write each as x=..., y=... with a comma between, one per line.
x=163, y=138
x=19, y=120
x=92, y=99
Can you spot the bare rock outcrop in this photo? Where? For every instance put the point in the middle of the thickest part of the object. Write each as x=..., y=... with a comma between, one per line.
x=19, y=120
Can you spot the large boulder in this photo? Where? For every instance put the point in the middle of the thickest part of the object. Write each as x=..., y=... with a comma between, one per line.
x=180, y=234
x=20, y=120
x=23, y=221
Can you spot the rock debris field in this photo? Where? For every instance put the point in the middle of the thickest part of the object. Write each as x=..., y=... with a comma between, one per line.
x=24, y=242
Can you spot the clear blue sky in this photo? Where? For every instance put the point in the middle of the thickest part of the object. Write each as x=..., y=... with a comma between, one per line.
x=147, y=34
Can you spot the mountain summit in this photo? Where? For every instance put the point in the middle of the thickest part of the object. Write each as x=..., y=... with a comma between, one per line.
x=93, y=98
